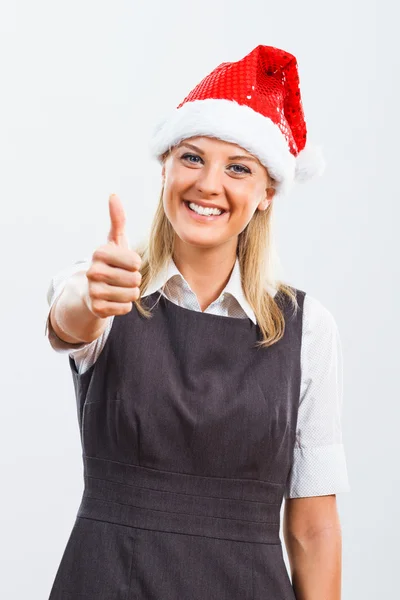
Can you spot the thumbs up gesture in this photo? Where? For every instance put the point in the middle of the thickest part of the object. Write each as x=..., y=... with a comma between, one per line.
x=113, y=276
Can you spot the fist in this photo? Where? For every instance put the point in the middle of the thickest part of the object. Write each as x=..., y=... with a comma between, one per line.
x=113, y=276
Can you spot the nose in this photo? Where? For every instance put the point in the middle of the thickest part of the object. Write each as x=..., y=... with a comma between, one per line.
x=209, y=181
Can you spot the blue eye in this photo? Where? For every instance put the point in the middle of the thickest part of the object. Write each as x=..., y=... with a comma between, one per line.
x=245, y=169
x=189, y=156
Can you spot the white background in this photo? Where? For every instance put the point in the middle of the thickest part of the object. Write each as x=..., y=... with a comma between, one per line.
x=82, y=84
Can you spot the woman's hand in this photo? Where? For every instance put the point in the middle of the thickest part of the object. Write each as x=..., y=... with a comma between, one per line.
x=113, y=276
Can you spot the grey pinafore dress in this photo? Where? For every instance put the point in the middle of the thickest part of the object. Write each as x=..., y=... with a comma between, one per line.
x=187, y=434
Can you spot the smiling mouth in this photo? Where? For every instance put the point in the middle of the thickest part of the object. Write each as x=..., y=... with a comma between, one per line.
x=200, y=218
x=187, y=202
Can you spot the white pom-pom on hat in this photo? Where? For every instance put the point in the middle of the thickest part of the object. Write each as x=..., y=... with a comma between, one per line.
x=310, y=163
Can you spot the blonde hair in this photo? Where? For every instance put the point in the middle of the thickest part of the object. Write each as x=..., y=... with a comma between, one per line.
x=255, y=252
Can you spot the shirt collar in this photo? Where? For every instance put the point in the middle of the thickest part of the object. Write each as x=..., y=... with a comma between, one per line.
x=233, y=286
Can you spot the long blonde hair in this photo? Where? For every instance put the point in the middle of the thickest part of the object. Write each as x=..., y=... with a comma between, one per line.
x=255, y=252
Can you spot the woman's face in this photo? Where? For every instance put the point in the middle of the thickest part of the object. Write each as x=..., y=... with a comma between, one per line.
x=213, y=173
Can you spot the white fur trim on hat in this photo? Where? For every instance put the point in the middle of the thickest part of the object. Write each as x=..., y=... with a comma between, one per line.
x=232, y=122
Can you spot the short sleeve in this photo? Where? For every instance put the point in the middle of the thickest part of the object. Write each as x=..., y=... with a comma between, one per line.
x=319, y=463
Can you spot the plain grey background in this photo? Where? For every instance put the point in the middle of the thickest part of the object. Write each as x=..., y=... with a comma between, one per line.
x=83, y=83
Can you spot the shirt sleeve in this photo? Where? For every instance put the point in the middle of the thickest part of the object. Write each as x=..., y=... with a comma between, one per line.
x=319, y=463
x=84, y=354
x=55, y=288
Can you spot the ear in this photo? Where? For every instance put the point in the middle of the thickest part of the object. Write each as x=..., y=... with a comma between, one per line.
x=163, y=172
x=270, y=192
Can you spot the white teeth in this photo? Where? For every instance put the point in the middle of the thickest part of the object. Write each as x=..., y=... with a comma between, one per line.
x=204, y=211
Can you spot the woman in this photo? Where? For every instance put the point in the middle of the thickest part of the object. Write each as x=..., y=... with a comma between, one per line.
x=206, y=388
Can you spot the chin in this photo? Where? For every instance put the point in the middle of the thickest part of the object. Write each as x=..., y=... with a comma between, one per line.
x=205, y=239
x=202, y=240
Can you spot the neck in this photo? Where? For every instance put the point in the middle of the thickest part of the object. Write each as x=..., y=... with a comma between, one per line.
x=206, y=270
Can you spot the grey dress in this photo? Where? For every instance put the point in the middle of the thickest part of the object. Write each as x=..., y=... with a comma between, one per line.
x=187, y=434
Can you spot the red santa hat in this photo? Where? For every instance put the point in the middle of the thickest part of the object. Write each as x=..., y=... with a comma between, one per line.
x=256, y=104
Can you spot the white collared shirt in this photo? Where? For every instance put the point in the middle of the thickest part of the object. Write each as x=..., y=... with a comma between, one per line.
x=319, y=463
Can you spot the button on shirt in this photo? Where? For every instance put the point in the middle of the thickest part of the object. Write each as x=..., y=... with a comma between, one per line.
x=319, y=463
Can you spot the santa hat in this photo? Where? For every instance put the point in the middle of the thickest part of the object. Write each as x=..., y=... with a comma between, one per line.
x=256, y=104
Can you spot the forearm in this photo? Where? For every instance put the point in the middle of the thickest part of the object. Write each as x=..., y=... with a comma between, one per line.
x=316, y=564
x=70, y=317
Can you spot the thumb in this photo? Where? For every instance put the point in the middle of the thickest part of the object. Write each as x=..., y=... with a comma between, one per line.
x=117, y=217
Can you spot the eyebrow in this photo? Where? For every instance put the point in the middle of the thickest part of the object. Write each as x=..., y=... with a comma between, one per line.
x=236, y=157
